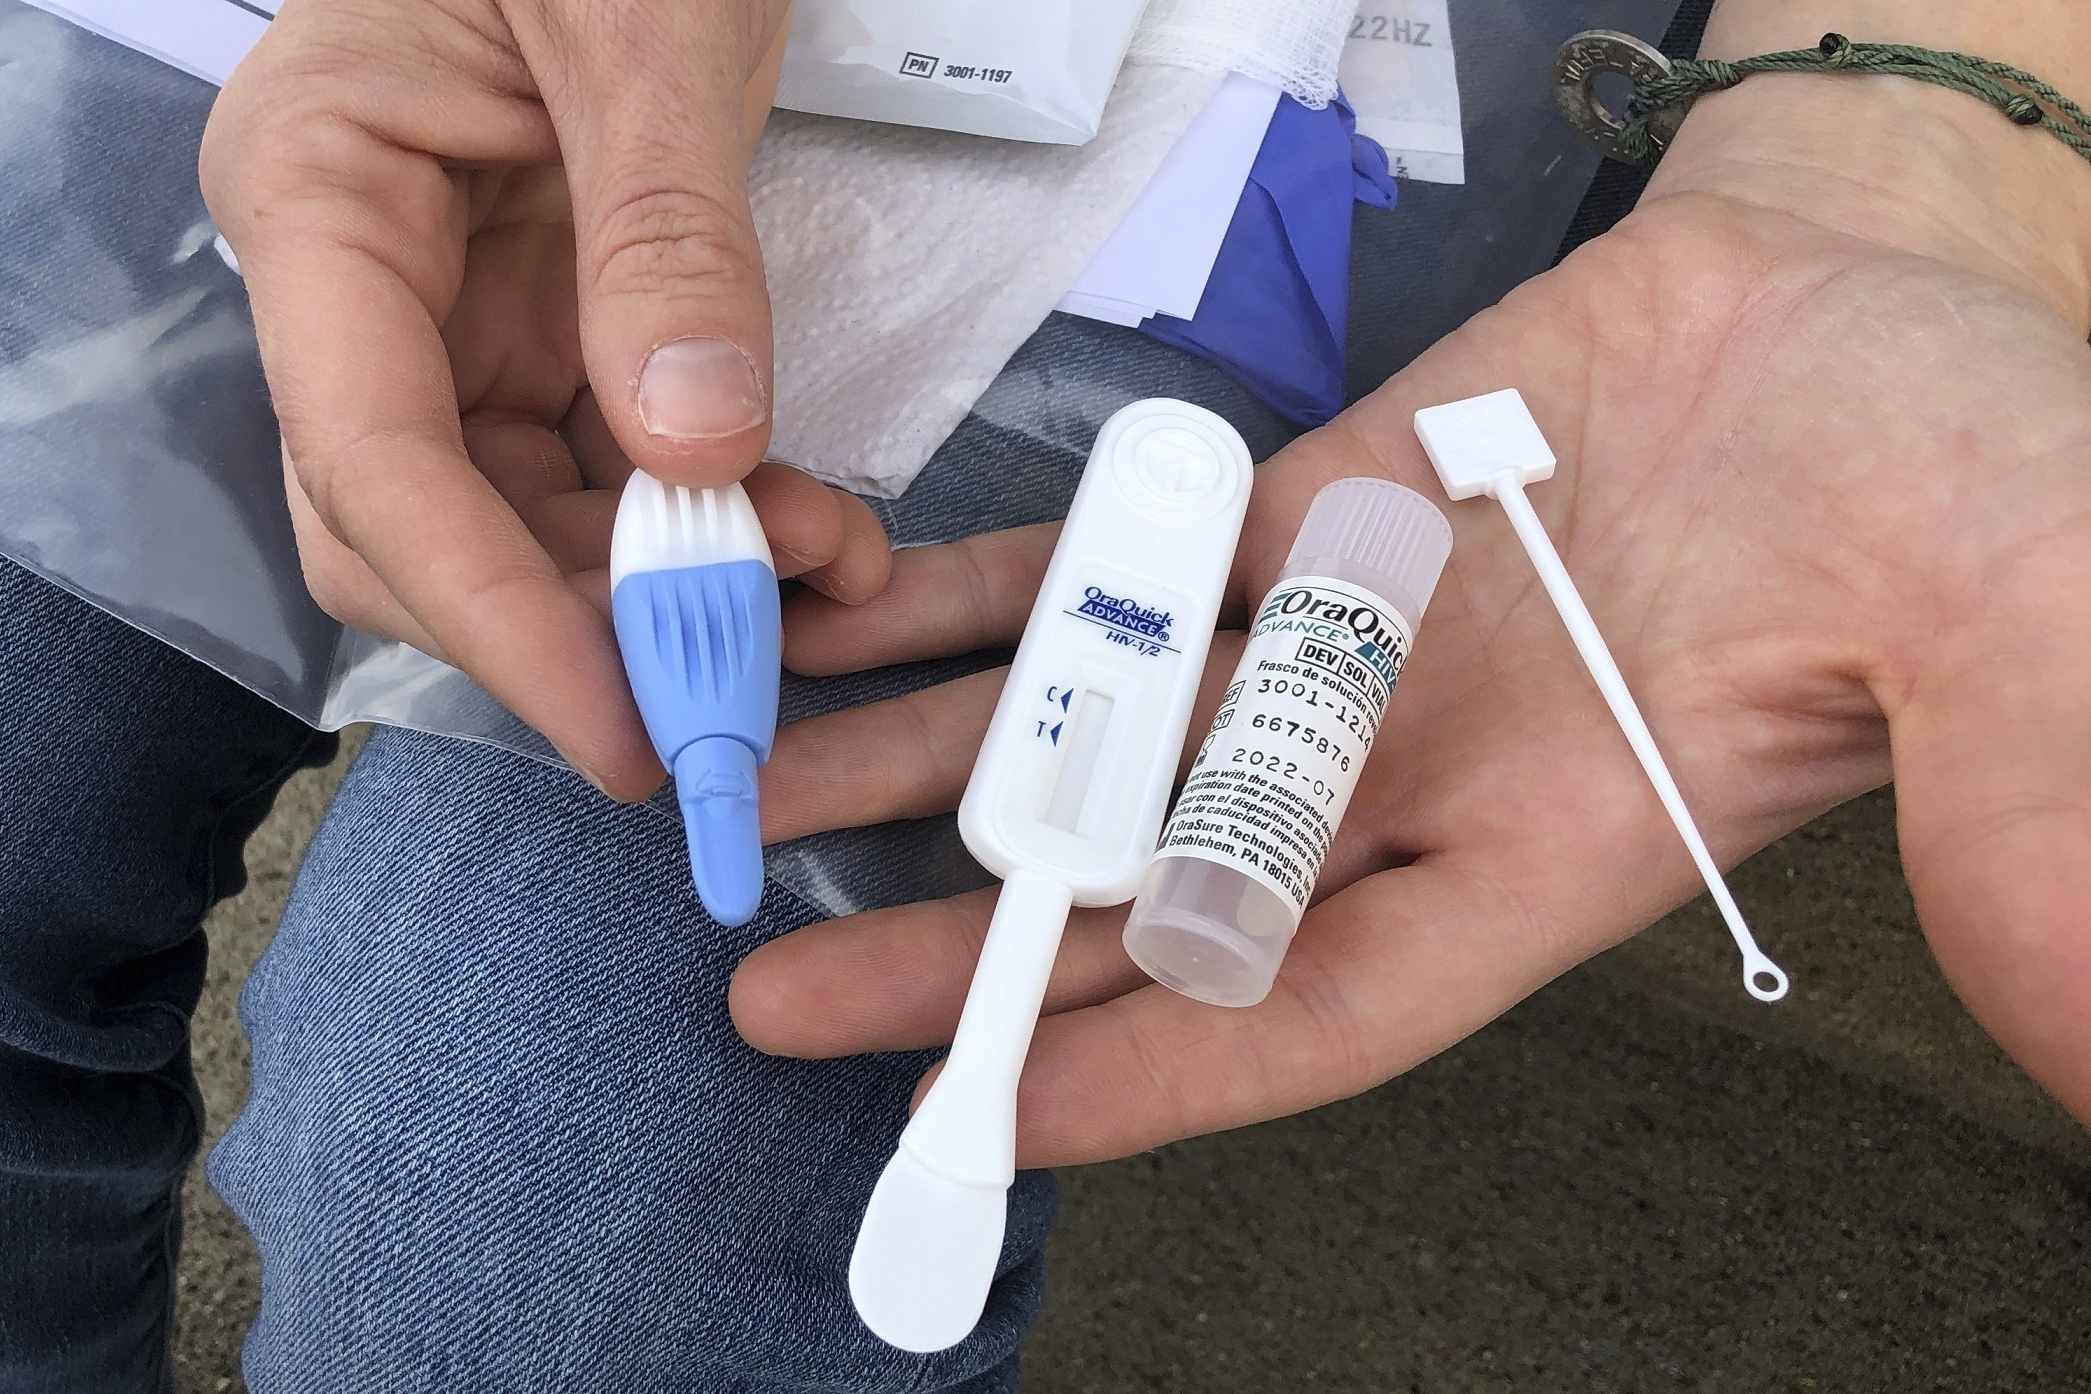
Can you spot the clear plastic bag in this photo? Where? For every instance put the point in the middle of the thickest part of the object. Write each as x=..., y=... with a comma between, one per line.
x=139, y=465
x=138, y=457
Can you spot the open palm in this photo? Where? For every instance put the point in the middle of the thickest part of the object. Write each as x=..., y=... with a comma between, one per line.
x=1830, y=502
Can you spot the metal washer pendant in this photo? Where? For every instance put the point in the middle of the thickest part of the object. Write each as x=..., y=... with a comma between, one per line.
x=1586, y=57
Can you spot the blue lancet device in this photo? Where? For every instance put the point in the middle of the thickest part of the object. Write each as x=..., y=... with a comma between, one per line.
x=693, y=593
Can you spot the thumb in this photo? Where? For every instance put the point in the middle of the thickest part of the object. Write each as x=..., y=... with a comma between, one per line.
x=658, y=113
x=1993, y=788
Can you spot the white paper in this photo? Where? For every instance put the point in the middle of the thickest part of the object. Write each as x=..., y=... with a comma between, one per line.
x=1158, y=260
x=205, y=37
x=1105, y=308
x=1399, y=76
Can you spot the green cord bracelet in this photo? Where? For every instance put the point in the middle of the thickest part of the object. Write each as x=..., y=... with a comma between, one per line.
x=1663, y=90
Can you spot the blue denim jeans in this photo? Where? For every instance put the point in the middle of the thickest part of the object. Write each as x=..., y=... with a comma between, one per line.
x=503, y=1136
x=130, y=776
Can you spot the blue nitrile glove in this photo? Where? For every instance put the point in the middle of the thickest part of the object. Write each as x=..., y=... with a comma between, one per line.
x=1274, y=313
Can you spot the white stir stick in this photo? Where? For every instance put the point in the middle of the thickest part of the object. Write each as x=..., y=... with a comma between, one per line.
x=1491, y=445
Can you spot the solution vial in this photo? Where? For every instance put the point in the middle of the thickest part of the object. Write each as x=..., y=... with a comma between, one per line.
x=1240, y=856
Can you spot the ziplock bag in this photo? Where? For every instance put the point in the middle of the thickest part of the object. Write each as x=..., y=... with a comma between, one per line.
x=1037, y=70
x=139, y=465
x=138, y=456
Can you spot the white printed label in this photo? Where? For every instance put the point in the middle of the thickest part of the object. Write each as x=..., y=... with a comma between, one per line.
x=1399, y=76
x=1276, y=773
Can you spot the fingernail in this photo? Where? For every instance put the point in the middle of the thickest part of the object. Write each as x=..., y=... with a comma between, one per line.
x=700, y=389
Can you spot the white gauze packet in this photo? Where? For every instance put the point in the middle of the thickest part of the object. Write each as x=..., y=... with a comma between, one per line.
x=1039, y=70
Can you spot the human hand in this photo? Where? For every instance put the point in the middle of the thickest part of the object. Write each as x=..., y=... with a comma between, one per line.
x=499, y=252
x=1825, y=480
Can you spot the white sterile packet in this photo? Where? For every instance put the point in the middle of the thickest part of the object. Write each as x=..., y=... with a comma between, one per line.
x=1038, y=70
x=1402, y=81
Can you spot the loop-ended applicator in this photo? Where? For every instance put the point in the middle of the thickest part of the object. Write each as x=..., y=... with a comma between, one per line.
x=693, y=594
x=1491, y=445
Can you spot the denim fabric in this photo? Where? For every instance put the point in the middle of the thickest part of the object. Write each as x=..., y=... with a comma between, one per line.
x=503, y=1136
x=129, y=778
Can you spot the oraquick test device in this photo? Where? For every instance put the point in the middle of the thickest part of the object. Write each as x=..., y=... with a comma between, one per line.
x=1065, y=804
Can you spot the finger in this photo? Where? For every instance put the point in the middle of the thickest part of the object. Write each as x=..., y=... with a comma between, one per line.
x=525, y=460
x=1383, y=976
x=376, y=441
x=1521, y=886
x=863, y=567
x=513, y=332
x=574, y=529
x=908, y=757
x=828, y=538
x=341, y=582
x=593, y=585
x=602, y=461
x=536, y=472
x=977, y=592
x=1543, y=845
x=656, y=125
x=1992, y=760
x=951, y=599
x=896, y=979
x=350, y=273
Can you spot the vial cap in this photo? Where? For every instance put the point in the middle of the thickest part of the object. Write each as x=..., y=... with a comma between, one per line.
x=1377, y=524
